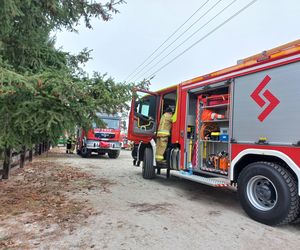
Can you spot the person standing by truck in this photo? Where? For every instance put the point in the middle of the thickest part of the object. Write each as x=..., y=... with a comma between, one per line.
x=163, y=133
x=69, y=145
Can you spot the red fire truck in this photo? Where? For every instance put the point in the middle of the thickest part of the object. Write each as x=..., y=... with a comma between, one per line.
x=101, y=140
x=238, y=126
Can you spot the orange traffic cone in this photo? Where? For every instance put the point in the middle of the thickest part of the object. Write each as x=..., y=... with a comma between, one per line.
x=208, y=115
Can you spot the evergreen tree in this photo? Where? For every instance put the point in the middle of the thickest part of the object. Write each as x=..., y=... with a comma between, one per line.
x=43, y=90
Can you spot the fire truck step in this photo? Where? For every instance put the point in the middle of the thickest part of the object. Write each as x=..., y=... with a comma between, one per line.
x=214, y=182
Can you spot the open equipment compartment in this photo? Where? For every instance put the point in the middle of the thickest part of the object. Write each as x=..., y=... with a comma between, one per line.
x=213, y=115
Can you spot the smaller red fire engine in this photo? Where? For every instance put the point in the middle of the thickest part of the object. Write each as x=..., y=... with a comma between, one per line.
x=101, y=140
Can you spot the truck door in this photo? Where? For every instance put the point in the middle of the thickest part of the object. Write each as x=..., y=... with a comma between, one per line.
x=143, y=115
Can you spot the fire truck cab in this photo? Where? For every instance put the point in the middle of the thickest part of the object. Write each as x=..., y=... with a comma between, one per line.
x=101, y=140
x=238, y=126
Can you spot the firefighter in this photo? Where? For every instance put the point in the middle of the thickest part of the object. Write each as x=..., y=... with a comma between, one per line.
x=69, y=145
x=163, y=133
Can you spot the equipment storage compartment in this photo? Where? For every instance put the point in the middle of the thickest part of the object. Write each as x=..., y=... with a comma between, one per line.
x=212, y=150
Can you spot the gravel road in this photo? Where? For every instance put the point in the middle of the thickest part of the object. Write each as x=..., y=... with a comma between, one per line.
x=132, y=213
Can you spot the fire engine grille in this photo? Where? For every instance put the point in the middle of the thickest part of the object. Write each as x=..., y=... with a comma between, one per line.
x=105, y=135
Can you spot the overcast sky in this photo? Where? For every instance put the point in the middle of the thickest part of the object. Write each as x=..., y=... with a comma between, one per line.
x=122, y=44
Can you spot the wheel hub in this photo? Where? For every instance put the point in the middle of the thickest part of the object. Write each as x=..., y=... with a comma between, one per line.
x=262, y=193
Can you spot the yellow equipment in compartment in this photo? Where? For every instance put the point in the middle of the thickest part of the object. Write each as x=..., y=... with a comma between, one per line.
x=189, y=132
x=215, y=136
x=204, y=150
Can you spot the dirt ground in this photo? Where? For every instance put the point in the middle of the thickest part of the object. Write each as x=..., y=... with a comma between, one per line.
x=66, y=202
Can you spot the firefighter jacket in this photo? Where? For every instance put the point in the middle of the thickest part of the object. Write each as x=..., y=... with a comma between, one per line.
x=165, y=125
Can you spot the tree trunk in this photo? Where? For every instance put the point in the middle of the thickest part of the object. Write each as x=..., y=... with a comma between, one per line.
x=22, y=157
x=47, y=148
x=7, y=163
x=30, y=155
x=43, y=147
x=40, y=148
x=36, y=149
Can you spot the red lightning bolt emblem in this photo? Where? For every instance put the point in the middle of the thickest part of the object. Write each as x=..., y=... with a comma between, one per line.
x=273, y=101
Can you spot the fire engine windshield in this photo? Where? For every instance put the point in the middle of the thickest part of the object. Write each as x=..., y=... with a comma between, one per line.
x=109, y=123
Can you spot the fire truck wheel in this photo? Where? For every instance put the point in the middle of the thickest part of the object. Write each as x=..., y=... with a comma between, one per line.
x=148, y=170
x=114, y=154
x=134, y=152
x=268, y=193
x=297, y=220
x=85, y=153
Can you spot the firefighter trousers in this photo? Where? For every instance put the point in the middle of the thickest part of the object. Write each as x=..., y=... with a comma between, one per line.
x=161, y=146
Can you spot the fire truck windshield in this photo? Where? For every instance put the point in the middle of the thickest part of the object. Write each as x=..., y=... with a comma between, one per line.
x=110, y=123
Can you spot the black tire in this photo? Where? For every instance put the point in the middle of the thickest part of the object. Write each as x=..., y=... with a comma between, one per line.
x=85, y=153
x=268, y=193
x=148, y=170
x=114, y=154
x=297, y=220
x=134, y=152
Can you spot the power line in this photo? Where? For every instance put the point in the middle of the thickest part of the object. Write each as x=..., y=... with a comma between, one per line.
x=208, y=34
x=166, y=40
x=176, y=39
x=189, y=37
